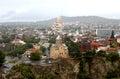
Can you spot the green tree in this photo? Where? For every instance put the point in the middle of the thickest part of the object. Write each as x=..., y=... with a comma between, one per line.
x=29, y=45
x=46, y=76
x=72, y=47
x=42, y=48
x=114, y=45
x=101, y=53
x=89, y=55
x=2, y=57
x=17, y=50
x=31, y=40
x=82, y=74
x=52, y=40
x=35, y=56
x=113, y=56
x=5, y=39
x=111, y=74
x=25, y=70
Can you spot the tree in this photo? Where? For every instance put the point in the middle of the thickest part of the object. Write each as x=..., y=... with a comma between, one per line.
x=42, y=48
x=17, y=50
x=101, y=53
x=52, y=40
x=114, y=45
x=25, y=71
x=89, y=55
x=29, y=45
x=35, y=56
x=82, y=73
x=111, y=74
x=2, y=57
x=113, y=56
x=76, y=55
x=31, y=40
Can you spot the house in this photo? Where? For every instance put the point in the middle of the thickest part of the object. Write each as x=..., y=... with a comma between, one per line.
x=18, y=42
x=31, y=50
x=95, y=45
x=59, y=50
x=84, y=46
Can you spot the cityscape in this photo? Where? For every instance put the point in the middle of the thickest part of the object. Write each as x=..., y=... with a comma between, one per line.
x=59, y=42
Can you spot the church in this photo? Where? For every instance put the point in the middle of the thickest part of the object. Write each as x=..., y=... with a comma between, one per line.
x=59, y=50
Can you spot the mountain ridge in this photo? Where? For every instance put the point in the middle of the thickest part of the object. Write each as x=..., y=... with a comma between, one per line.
x=82, y=19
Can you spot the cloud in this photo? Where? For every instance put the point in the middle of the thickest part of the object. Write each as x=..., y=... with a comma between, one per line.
x=26, y=10
x=8, y=14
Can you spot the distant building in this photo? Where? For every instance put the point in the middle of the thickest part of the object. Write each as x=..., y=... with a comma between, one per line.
x=95, y=45
x=106, y=32
x=85, y=45
x=31, y=50
x=59, y=50
x=18, y=42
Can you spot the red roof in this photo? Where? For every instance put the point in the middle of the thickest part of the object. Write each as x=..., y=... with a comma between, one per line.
x=111, y=49
x=118, y=47
x=32, y=49
x=97, y=44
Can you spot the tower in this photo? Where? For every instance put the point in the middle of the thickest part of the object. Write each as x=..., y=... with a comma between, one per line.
x=58, y=40
x=58, y=24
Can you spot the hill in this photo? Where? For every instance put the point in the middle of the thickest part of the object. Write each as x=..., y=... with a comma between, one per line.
x=82, y=19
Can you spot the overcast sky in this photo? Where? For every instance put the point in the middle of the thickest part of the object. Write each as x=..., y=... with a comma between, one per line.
x=34, y=10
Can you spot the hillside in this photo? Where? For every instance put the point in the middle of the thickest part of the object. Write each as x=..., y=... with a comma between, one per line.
x=66, y=69
x=82, y=19
x=87, y=20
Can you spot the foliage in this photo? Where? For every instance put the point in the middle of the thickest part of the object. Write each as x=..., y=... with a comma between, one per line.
x=42, y=48
x=72, y=47
x=52, y=40
x=35, y=56
x=46, y=76
x=76, y=55
x=65, y=39
x=31, y=40
x=101, y=53
x=2, y=57
x=5, y=39
x=114, y=45
x=83, y=76
x=113, y=56
x=29, y=45
x=111, y=74
x=17, y=50
x=25, y=71
x=89, y=55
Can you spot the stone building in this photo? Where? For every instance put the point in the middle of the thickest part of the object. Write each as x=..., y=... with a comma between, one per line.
x=59, y=50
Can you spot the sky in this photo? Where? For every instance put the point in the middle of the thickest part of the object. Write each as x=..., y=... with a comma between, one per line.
x=37, y=10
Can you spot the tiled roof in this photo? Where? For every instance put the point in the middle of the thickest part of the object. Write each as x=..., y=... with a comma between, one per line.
x=111, y=49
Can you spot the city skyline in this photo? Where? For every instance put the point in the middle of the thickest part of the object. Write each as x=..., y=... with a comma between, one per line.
x=37, y=10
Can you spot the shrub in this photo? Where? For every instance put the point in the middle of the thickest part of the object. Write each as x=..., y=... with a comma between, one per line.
x=35, y=56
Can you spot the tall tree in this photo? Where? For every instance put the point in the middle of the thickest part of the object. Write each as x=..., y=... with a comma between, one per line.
x=112, y=34
x=2, y=57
